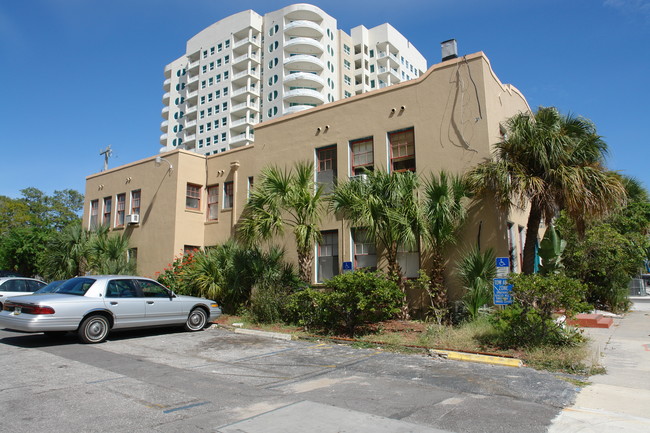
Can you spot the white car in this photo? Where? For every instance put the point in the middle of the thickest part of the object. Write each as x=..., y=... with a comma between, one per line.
x=91, y=306
x=14, y=286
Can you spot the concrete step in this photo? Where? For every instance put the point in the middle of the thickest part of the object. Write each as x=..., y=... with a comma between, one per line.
x=590, y=320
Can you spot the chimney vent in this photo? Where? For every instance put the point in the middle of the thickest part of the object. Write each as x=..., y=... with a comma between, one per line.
x=449, y=49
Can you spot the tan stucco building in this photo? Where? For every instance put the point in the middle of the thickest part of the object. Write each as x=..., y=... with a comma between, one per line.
x=449, y=118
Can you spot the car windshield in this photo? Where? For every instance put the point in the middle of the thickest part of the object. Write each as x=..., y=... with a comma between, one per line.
x=50, y=287
x=75, y=286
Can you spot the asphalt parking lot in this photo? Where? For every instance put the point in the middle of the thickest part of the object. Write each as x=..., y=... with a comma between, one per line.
x=219, y=381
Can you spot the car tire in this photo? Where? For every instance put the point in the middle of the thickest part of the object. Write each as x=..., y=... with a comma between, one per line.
x=197, y=320
x=94, y=329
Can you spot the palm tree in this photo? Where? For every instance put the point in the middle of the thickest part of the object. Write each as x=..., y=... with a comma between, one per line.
x=550, y=162
x=285, y=198
x=108, y=254
x=476, y=271
x=385, y=204
x=444, y=212
x=233, y=274
x=67, y=253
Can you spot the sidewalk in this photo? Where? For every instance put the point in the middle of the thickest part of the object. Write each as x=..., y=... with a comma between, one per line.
x=618, y=401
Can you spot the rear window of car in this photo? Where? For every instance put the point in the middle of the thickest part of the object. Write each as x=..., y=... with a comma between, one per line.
x=76, y=286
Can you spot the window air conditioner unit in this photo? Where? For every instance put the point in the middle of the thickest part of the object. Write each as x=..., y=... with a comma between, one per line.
x=133, y=219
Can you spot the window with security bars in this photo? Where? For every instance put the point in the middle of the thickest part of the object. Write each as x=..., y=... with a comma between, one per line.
x=402, y=150
x=108, y=203
x=328, y=256
x=228, y=198
x=365, y=253
x=193, y=197
x=213, y=203
x=326, y=167
x=361, y=156
x=408, y=258
x=94, y=213
x=135, y=202
x=120, y=210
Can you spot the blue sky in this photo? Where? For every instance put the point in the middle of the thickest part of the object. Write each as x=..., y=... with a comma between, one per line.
x=79, y=75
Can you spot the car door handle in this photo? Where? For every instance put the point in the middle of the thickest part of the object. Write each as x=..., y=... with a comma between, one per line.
x=149, y=302
x=113, y=303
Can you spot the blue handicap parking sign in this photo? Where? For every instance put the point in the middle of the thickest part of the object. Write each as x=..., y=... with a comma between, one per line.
x=347, y=266
x=503, y=262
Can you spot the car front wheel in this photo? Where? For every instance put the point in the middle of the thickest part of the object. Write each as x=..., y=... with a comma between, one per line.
x=196, y=320
x=94, y=329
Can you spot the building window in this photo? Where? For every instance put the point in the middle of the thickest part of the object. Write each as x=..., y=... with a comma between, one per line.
x=135, y=202
x=372, y=84
x=106, y=218
x=326, y=174
x=361, y=156
x=347, y=80
x=120, y=210
x=372, y=68
x=346, y=64
x=402, y=150
x=227, y=43
x=346, y=49
x=250, y=186
x=94, y=213
x=132, y=256
x=225, y=75
x=328, y=256
x=228, y=195
x=219, y=47
x=213, y=203
x=226, y=60
x=365, y=254
x=224, y=106
x=408, y=259
x=193, y=197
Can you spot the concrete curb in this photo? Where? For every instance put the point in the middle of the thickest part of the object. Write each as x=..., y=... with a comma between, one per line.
x=276, y=335
x=472, y=357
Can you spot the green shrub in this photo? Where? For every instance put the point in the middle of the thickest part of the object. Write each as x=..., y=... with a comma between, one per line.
x=350, y=300
x=529, y=321
x=476, y=270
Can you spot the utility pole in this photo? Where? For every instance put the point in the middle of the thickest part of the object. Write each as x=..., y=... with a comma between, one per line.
x=107, y=153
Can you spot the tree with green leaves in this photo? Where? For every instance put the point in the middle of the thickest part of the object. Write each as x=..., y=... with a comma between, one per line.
x=28, y=222
x=285, y=198
x=476, y=271
x=611, y=251
x=386, y=205
x=444, y=212
x=66, y=253
x=549, y=162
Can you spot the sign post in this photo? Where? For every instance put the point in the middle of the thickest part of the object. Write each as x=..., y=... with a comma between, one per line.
x=501, y=291
x=501, y=288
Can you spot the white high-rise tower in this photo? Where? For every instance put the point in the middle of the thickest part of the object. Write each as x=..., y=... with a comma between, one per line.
x=247, y=68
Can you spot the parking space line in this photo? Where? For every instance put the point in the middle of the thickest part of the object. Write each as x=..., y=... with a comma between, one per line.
x=189, y=406
x=105, y=380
